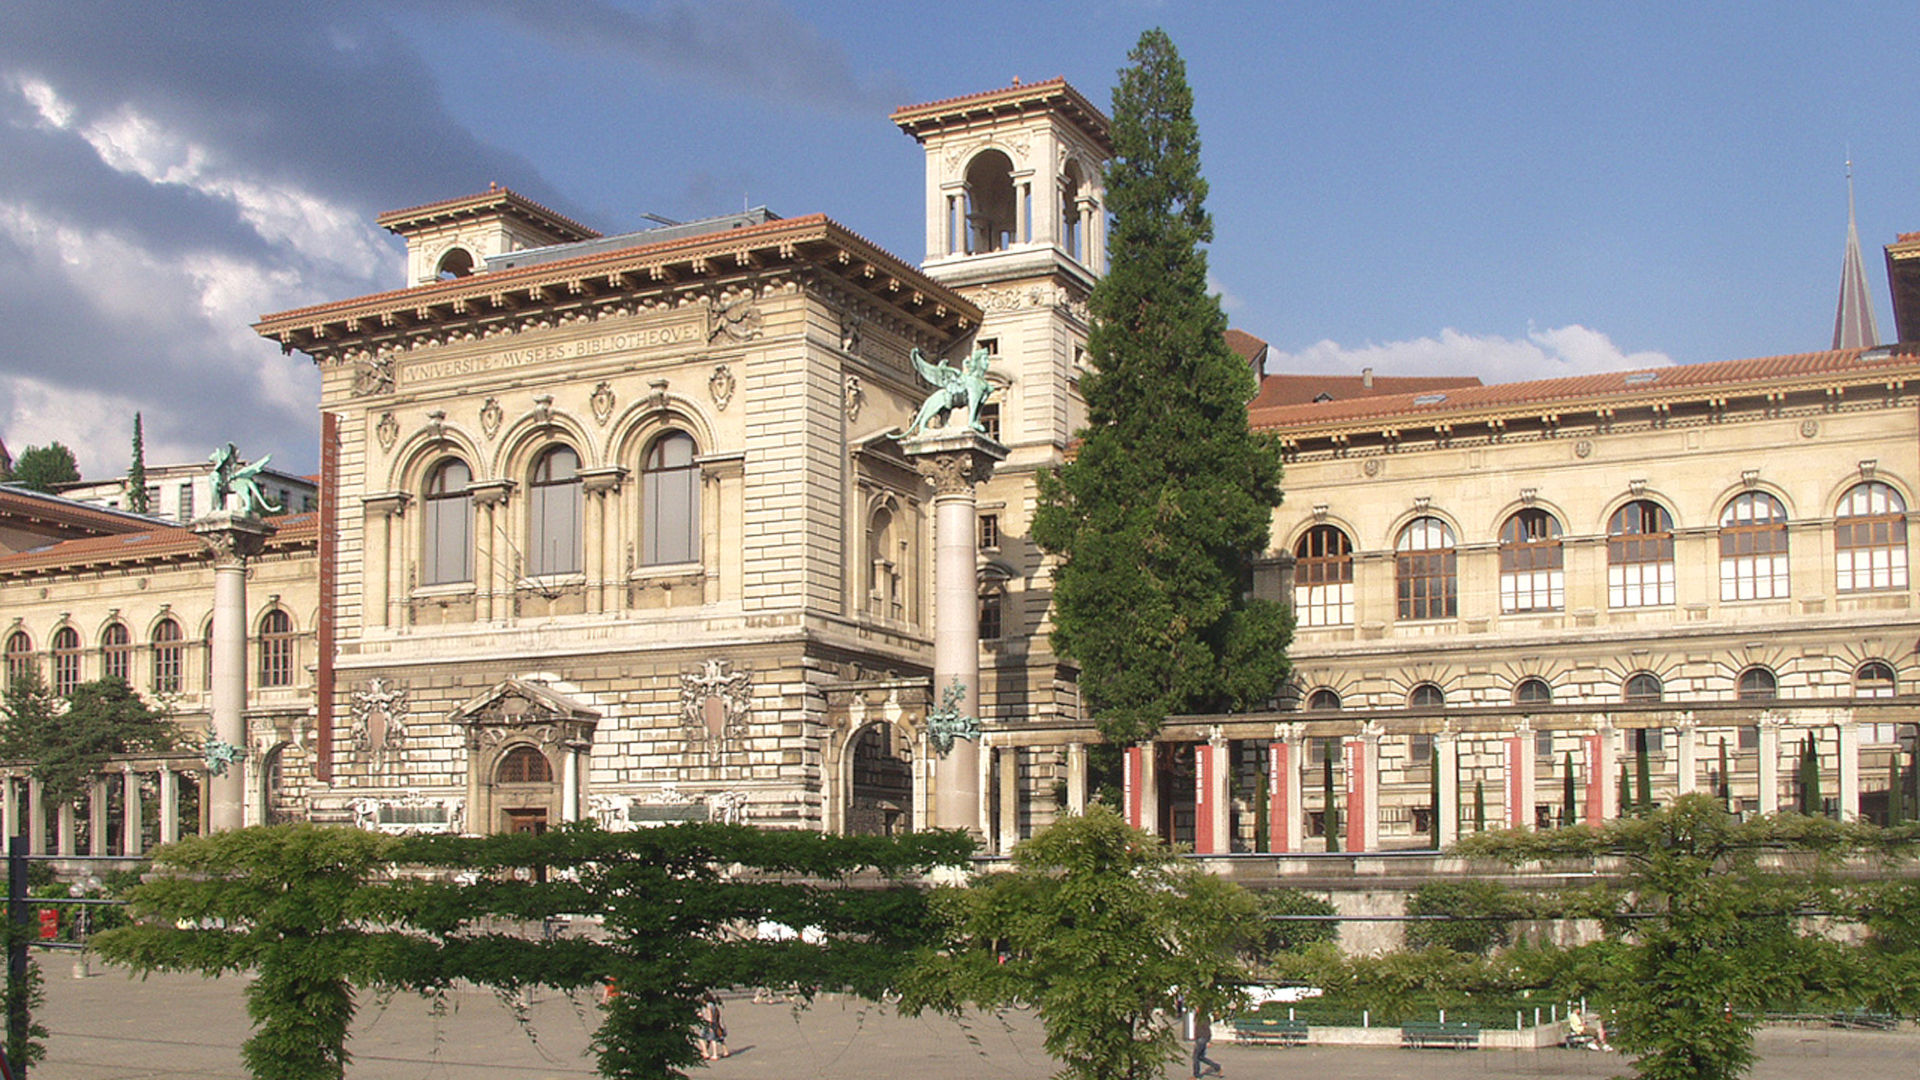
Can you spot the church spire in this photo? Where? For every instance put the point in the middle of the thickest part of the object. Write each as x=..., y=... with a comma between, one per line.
x=1853, y=325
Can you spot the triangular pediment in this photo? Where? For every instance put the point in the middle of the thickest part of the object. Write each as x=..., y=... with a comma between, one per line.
x=519, y=702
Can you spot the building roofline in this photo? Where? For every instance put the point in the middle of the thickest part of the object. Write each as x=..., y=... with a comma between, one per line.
x=495, y=199
x=159, y=542
x=1054, y=93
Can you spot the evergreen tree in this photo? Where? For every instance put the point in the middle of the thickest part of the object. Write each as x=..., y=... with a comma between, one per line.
x=1643, y=770
x=137, y=473
x=42, y=468
x=1568, y=811
x=1433, y=800
x=1156, y=521
x=68, y=749
x=1330, y=813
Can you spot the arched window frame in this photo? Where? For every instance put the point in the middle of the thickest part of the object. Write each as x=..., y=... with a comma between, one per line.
x=1642, y=688
x=1870, y=539
x=65, y=650
x=670, y=500
x=1325, y=699
x=1533, y=690
x=1426, y=695
x=1640, y=556
x=446, y=548
x=277, y=635
x=1323, y=577
x=886, y=578
x=523, y=764
x=1532, y=563
x=20, y=659
x=1756, y=683
x=1753, y=548
x=167, y=651
x=116, y=652
x=992, y=203
x=1426, y=571
x=1875, y=679
x=554, y=504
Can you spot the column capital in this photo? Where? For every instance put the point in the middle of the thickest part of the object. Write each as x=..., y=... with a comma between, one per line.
x=386, y=504
x=233, y=538
x=601, y=481
x=490, y=492
x=954, y=463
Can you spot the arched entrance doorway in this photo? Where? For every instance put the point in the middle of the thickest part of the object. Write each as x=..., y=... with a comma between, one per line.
x=880, y=768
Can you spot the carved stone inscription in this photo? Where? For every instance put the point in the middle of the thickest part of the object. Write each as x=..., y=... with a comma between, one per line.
x=682, y=328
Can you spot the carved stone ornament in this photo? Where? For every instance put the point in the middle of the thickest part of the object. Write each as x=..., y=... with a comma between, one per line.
x=490, y=417
x=1371, y=467
x=519, y=708
x=1583, y=448
x=372, y=375
x=411, y=813
x=850, y=333
x=387, y=431
x=1809, y=428
x=737, y=318
x=714, y=704
x=602, y=404
x=231, y=538
x=855, y=396
x=720, y=385
x=380, y=721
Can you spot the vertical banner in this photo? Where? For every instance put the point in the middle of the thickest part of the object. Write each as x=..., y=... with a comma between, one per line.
x=1359, y=825
x=1279, y=810
x=1596, y=781
x=1516, y=813
x=1204, y=763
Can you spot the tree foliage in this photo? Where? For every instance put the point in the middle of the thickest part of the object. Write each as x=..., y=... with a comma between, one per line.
x=1104, y=933
x=1288, y=935
x=1709, y=932
x=317, y=913
x=1480, y=916
x=67, y=748
x=1156, y=520
x=137, y=472
x=42, y=468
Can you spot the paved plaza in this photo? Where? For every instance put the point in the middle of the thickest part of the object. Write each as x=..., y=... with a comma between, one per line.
x=110, y=1027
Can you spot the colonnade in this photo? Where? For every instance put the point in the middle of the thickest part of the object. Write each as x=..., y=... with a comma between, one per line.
x=33, y=821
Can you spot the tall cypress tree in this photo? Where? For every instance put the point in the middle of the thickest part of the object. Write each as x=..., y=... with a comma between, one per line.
x=137, y=473
x=1156, y=521
x=1568, y=812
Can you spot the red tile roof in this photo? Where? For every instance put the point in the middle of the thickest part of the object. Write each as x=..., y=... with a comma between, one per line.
x=162, y=543
x=1276, y=390
x=1245, y=345
x=494, y=198
x=1613, y=389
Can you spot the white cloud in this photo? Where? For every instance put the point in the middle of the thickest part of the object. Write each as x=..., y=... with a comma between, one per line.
x=1230, y=302
x=1542, y=354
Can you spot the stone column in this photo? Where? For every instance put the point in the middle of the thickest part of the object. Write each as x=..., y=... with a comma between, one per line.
x=488, y=497
x=1446, y=746
x=1076, y=778
x=1149, y=799
x=569, y=780
x=601, y=488
x=1686, y=757
x=130, y=821
x=956, y=463
x=1009, y=762
x=169, y=806
x=1294, y=744
x=1363, y=790
x=97, y=816
x=36, y=818
x=10, y=811
x=63, y=844
x=1769, y=762
x=1849, y=767
x=233, y=539
x=1220, y=792
x=385, y=533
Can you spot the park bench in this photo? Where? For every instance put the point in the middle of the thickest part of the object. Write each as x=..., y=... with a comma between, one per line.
x=1864, y=1020
x=1440, y=1034
x=1271, y=1030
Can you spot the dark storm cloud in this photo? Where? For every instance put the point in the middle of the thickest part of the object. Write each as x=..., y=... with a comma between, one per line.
x=756, y=47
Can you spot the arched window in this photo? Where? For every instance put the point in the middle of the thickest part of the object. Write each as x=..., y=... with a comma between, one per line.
x=1756, y=684
x=1424, y=570
x=116, y=652
x=66, y=660
x=553, y=527
x=523, y=765
x=1323, y=578
x=1532, y=691
x=1870, y=538
x=1426, y=696
x=1753, y=548
x=670, y=501
x=1532, y=577
x=1874, y=679
x=166, y=657
x=457, y=263
x=991, y=203
x=19, y=654
x=1642, y=688
x=1072, y=234
x=447, y=555
x=1640, y=556
x=276, y=649
x=993, y=600
x=1324, y=700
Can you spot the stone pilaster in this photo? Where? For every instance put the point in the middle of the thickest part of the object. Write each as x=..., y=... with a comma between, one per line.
x=233, y=540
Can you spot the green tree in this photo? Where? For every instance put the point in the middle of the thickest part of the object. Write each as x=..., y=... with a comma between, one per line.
x=1477, y=916
x=137, y=472
x=1105, y=933
x=66, y=748
x=41, y=468
x=1642, y=771
x=1811, y=801
x=1156, y=521
x=1705, y=935
x=1568, y=811
x=1283, y=934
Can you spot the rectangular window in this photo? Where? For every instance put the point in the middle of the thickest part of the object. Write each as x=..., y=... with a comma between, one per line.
x=1749, y=737
x=1533, y=590
x=1427, y=585
x=1420, y=751
x=1320, y=749
x=1543, y=745
x=186, y=501
x=1753, y=563
x=989, y=531
x=1640, y=584
x=166, y=667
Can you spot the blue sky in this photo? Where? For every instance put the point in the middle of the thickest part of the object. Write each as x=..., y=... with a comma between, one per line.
x=1514, y=191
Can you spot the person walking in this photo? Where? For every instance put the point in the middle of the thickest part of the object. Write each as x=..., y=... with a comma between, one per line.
x=1202, y=1036
x=713, y=1030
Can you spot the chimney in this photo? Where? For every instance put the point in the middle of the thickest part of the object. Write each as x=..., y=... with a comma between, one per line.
x=1366, y=377
x=1903, y=281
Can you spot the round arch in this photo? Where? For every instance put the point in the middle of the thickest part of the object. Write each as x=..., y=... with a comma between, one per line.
x=531, y=434
x=425, y=448
x=634, y=430
x=877, y=765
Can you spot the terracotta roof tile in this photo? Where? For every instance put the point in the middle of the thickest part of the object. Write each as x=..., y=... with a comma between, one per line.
x=1277, y=390
x=1245, y=345
x=153, y=545
x=1609, y=389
